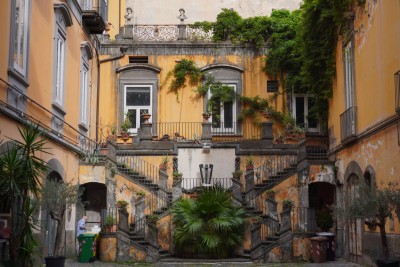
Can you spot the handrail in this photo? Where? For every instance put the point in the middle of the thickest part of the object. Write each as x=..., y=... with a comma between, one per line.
x=33, y=119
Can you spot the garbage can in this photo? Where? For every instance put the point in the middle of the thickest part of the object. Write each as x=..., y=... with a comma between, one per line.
x=318, y=249
x=87, y=247
x=330, y=246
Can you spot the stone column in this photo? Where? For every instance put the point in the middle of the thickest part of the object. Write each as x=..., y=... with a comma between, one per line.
x=237, y=189
x=145, y=132
x=267, y=133
x=182, y=32
x=206, y=131
x=176, y=190
x=249, y=188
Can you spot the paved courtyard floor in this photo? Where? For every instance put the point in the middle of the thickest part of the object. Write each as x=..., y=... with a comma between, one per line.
x=206, y=263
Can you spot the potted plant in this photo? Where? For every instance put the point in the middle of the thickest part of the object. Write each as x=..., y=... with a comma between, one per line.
x=279, y=138
x=177, y=175
x=164, y=163
x=152, y=219
x=206, y=115
x=249, y=162
x=56, y=197
x=145, y=116
x=324, y=220
x=267, y=114
x=108, y=225
x=237, y=174
x=270, y=193
x=140, y=194
x=287, y=204
x=125, y=126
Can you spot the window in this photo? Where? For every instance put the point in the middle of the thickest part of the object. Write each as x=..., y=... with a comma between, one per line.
x=272, y=86
x=137, y=100
x=59, y=65
x=223, y=118
x=348, y=58
x=83, y=115
x=20, y=47
x=302, y=105
x=139, y=59
x=62, y=21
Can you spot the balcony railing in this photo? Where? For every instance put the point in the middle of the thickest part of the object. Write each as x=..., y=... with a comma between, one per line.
x=178, y=131
x=94, y=15
x=166, y=33
x=71, y=135
x=189, y=185
x=348, y=124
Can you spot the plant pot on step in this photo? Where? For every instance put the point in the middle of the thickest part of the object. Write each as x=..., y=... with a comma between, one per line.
x=55, y=261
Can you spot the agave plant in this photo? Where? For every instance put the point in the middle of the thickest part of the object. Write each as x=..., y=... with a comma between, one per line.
x=209, y=225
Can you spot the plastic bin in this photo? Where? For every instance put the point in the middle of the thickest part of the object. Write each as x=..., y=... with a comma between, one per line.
x=330, y=246
x=318, y=249
x=87, y=247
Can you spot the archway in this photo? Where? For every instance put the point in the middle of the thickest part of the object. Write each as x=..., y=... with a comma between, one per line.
x=94, y=198
x=321, y=197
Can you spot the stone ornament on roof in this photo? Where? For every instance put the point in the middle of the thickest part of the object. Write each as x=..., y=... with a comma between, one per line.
x=182, y=15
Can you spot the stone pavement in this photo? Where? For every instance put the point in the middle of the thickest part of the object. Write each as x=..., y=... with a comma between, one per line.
x=206, y=263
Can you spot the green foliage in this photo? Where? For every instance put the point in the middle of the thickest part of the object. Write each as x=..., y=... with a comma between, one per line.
x=127, y=122
x=20, y=171
x=209, y=225
x=109, y=221
x=375, y=204
x=287, y=204
x=183, y=69
x=122, y=204
x=324, y=220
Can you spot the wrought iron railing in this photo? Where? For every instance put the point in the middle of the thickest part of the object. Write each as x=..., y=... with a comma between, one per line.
x=191, y=184
x=348, y=124
x=36, y=114
x=99, y=6
x=274, y=167
x=236, y=131
x=178, y=131
x=108, y=213
x=138, y=168
x=317, y=148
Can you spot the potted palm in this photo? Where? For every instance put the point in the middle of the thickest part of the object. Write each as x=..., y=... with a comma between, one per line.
x=56, y=197
x=249, y=162
x=164, y=163
x=125, y=126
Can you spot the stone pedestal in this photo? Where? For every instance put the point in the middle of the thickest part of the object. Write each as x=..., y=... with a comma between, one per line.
x=127, y=32
x=108, y=247
x=182, y=32
x=145, y=132
x=123, y=221
x=206, y=131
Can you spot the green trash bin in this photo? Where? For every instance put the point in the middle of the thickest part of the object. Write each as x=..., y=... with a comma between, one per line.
x=87, y=247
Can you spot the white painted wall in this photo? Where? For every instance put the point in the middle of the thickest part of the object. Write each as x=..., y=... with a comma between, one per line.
x=222, y=159
x=166, y=11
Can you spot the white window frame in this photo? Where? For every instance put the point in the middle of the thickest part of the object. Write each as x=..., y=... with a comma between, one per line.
x=306, y=109
x=138, y=108
x=60, y=69
x=222, y=129
x=348, y=65
x=84, y=103
x=21, y=27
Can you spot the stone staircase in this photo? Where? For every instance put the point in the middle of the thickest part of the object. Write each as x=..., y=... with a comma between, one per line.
x=137, y=177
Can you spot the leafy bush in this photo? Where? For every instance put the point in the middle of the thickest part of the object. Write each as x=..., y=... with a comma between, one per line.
x=209, y=225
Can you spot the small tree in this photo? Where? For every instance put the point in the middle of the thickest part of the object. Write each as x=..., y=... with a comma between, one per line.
x=56, y=197
x=376, y=205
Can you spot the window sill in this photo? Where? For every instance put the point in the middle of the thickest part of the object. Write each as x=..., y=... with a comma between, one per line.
x=18, y=77
x=59, y=109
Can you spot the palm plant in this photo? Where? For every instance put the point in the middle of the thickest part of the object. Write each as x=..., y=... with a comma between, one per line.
x=209, y=225
x=21, y=170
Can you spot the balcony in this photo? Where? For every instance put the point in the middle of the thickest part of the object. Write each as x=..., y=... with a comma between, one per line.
x=94, y=15
x=348, y=125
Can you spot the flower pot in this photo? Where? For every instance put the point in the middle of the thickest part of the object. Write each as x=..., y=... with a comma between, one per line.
x=146, y=117
x=55, y=261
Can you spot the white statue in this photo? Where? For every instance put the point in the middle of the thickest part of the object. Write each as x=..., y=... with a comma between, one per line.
x=129, y=16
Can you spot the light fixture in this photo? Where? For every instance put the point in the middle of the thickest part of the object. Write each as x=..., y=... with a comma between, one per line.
x=206, y=174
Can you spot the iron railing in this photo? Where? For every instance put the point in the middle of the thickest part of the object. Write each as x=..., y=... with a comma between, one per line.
x=178, y=131
x=317, y=148
x=109, y=212
x=36, y=114
x=137, y=168
x=189, y=185
x=236, y=131
x=274, y=167
x=99, y=6
x=348, y=124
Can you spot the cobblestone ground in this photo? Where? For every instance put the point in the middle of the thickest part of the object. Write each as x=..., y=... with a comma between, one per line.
x=193, y=263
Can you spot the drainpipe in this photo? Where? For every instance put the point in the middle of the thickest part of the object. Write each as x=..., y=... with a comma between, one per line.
x=123, y=51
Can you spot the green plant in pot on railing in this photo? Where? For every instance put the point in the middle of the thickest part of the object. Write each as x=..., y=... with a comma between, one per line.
x=249, y=162
x=126, y=125
x=287, y=204
x=177, y=175
x=164, y=163
x=109, y=223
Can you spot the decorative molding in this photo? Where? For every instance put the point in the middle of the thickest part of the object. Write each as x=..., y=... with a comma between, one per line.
x=222, y=66
x=63, y=8
x=86, y=46
x=137, y=67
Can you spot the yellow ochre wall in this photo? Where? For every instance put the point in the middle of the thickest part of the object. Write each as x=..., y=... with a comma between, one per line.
x=187, y=107
x=376, y=59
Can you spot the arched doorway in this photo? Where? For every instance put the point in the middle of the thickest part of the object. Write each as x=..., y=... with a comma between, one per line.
x=94, y=198
x=354, y=225
x=321, y=197
x=50, y=225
